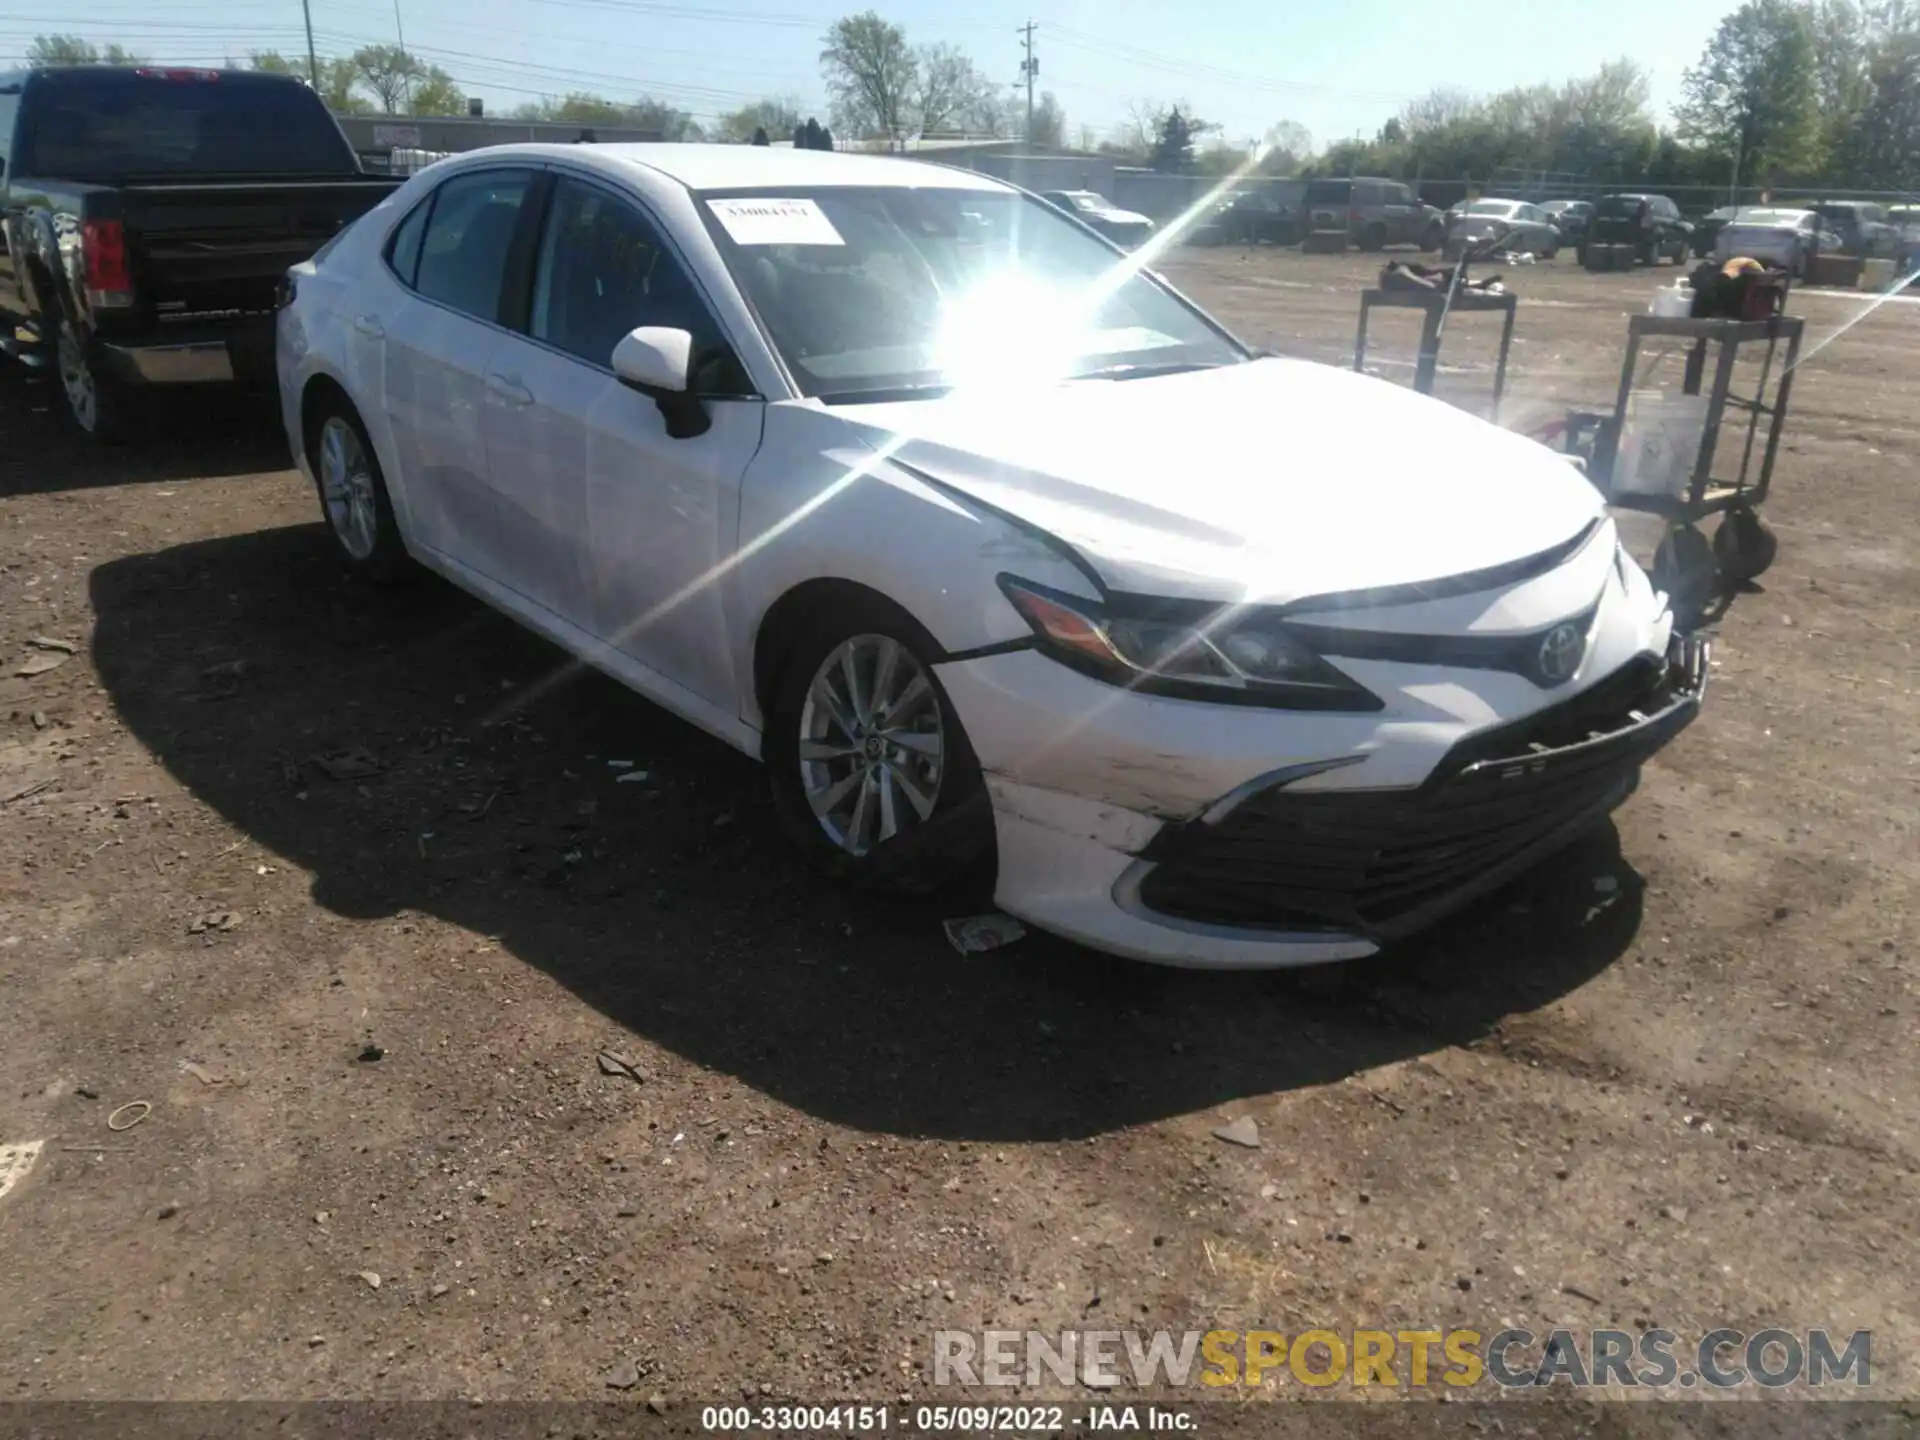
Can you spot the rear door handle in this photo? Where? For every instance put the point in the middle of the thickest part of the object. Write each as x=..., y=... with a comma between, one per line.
x=370, y=327
x=509, y=388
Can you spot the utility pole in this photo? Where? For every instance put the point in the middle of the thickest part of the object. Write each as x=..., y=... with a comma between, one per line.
x=401, y=36
x=1029, y=68
x=313, y=65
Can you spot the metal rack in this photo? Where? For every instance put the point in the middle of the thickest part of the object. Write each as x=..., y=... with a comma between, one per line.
x=1437, y=304
x=1686, y=565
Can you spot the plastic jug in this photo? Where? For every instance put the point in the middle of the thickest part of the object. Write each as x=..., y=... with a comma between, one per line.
x=1672, y=302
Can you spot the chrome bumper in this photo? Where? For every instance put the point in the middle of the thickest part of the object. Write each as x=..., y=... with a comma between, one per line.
x=199, y=362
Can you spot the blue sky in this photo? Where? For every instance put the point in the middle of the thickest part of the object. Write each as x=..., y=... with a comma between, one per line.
x=1339, y=67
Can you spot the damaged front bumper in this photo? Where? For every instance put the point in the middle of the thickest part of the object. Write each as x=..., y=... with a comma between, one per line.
x=1330, y=858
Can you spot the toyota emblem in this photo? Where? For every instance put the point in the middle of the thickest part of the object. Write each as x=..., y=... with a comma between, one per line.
x=1561, y=649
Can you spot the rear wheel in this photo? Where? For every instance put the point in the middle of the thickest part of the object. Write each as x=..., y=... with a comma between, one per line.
x=353, y=494
x=1433, y=237
x=1374, y=237
x=873, y=777
x=97, y=405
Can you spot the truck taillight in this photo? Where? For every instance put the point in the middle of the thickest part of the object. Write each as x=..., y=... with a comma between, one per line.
x=103, y=245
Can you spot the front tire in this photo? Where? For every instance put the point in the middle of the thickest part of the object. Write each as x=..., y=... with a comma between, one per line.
x=873, y=777
x=353, y=494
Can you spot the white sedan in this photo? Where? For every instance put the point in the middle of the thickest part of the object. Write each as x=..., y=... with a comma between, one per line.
x=1786, y=238
x=995, y=549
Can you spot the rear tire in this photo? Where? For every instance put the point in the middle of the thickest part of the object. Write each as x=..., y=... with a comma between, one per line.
x=353, y=494
x=1374, y=237
x=98, y=406
x=873, y=777
x=1433, y=237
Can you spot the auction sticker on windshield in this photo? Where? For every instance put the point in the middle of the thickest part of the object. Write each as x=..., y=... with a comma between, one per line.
x=775, y=222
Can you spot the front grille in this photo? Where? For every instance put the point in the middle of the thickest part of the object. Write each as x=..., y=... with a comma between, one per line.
x=1386, y=862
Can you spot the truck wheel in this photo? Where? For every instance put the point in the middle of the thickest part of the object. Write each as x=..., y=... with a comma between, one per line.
x=97, y=405
x=1374, y=237
x=1434, y=237
x=353, y=494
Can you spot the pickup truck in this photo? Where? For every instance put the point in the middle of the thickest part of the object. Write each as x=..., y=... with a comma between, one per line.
x=147, y=216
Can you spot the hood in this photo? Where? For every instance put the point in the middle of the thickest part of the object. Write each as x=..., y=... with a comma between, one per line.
x=1120, y=217
x=1272, y=480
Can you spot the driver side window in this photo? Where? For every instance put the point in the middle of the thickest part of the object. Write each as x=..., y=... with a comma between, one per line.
x=603, y=271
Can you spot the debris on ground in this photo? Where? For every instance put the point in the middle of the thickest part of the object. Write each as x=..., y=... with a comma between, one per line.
x=370, y=1278
x=45, y=642
x=623, y=1376
x=220, y=920
x=205, y=1074
x=27, y=792
x=369, y=1053
x=612, y=1063
x=40, y=665
x=15, y=1161
x=39, y=719
x=356, y=762
x=1244, y=1131
x=116, y=1124
x=977, y=934
x=168, y=1211
x=657, y=1403
x=629, y=776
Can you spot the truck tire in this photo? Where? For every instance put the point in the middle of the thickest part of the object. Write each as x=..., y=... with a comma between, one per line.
x=95, y=404
x=1374, y=237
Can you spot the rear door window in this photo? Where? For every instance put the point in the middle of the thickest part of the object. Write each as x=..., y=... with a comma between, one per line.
x=469, y=234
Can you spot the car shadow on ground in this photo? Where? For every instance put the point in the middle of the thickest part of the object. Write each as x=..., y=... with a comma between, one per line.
x=182, y=435
x=417, y=752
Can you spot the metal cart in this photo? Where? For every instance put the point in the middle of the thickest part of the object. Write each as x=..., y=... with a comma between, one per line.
x=1437, y=304
x=1686, y=566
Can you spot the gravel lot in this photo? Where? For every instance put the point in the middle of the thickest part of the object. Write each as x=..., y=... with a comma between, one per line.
x=349, y=890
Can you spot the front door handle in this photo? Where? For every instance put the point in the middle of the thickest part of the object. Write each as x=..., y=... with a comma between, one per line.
x=509, y=389
x=370, y=326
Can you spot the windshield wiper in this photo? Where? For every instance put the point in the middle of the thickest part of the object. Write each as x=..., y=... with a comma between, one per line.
x=882, y=395
x=1141, y=372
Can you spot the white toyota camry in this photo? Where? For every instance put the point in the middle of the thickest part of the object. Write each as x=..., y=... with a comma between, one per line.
x=994, y=548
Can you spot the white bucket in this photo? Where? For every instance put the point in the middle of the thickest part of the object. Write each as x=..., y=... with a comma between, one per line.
x=1672, y=302
x=1659, y=442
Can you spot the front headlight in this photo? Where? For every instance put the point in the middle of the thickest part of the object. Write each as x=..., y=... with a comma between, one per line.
x=1224, y=654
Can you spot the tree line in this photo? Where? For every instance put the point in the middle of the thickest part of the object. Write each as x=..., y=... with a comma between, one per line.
x=1786, y=93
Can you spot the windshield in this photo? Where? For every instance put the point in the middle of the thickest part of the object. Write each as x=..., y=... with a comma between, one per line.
x=866, y=292
x=1502, y=209
x=104, y=125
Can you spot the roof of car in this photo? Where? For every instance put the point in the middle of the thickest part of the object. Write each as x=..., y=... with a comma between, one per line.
x=751, y=167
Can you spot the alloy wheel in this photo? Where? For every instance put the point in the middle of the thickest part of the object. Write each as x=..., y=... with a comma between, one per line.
x=346, y=488
x=873, y=744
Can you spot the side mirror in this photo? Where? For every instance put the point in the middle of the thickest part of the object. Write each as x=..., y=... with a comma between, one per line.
x=658, y=362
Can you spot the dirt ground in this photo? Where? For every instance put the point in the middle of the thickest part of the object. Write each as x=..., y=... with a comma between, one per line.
x=352, y=897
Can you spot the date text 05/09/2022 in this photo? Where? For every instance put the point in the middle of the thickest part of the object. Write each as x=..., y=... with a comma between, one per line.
x=944, y=1419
